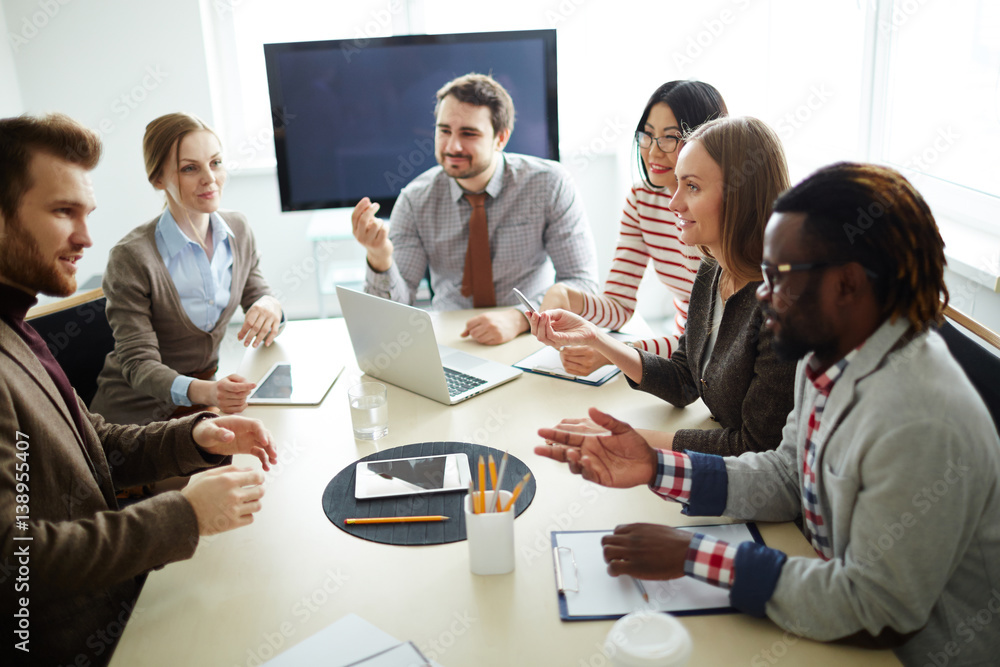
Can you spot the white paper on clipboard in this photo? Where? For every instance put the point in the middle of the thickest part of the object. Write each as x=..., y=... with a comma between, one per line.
x=591, y=593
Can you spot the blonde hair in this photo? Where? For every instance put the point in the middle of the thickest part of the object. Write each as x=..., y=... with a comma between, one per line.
x=161, y=136
x=754, y=173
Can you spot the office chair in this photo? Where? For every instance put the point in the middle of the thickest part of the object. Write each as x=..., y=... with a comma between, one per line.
x=980, y=361
x=77, y=332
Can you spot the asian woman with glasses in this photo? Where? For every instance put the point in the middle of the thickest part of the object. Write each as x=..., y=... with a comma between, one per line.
x=648, y=233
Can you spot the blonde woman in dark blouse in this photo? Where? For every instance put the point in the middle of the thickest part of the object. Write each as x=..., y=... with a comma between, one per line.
x=174, y=283
x=729, y=172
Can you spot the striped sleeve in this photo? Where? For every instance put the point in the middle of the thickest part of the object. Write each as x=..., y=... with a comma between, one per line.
x=616, y=304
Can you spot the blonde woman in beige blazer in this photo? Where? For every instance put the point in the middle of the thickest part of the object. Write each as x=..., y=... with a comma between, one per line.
x=174, y=283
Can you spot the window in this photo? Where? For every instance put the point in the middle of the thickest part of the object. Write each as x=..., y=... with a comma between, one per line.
x=940, y=120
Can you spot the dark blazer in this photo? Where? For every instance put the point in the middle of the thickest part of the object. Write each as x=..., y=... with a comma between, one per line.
x=747, y=388
x=86, y=557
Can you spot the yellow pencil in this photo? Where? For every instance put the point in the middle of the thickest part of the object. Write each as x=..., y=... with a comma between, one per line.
x=481, y=496
x=396, y=519
x=517, y=491
x=493, y=473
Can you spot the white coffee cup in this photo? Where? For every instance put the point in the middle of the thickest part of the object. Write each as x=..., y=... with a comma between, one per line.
x=648, y=639
x=491, y=537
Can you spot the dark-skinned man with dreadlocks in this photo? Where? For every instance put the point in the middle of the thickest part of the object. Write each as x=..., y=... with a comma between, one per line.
x=889, y=457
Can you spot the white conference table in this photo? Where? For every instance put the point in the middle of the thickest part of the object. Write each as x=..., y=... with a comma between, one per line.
x=251, y=593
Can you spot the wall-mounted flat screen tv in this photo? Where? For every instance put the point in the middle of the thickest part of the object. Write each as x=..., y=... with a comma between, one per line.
x=356, y=119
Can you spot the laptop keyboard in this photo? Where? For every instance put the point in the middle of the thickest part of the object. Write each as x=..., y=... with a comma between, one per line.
x=459, y=383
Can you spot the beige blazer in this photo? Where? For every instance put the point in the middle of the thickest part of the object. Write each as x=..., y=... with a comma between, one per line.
x=86, y=558
x=154, y=339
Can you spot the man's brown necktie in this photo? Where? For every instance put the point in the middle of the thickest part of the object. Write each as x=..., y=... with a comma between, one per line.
x=478, y=279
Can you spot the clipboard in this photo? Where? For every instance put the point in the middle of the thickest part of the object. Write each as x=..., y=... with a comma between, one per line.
x=588, y=593
x=546, y=361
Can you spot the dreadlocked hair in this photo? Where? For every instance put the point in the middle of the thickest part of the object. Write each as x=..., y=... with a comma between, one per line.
x=872, y=215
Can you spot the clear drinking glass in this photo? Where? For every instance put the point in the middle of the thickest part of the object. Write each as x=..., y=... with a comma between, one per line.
x=369, y=410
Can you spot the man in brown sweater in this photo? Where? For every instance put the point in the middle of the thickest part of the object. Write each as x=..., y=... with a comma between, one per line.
x=71, y=561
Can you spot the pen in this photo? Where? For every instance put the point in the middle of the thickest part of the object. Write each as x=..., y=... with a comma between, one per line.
x=493, y=483
x=517, y=491
x=472, y=498
x=481, y=496
x=396, y=519
x=496, y=494
x=642, y=589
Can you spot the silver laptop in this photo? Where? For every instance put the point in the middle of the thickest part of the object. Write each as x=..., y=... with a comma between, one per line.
x=395, y=342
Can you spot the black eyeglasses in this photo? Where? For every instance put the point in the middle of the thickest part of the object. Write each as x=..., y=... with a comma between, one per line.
x=667, y=143
x=772, y=272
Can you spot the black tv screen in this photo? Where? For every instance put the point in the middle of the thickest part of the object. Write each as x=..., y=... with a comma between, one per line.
x=355, y=120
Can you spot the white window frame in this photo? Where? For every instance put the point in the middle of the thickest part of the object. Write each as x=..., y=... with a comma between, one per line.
x=969, y=219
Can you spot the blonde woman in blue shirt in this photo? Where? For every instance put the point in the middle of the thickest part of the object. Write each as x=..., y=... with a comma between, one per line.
x=174, y=283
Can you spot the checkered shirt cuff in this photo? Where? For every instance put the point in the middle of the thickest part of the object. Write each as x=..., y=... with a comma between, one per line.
x=710, y=560
x=673, y=476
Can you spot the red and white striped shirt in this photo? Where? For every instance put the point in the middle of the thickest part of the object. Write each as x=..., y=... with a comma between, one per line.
x=648, y=231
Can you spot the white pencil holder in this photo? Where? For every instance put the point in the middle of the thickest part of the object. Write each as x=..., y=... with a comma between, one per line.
x=491, y=537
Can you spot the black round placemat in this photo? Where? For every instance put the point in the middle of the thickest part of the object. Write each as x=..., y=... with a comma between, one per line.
x=339, y=502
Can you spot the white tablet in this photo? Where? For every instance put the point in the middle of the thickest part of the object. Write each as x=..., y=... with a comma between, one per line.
x=287, y=384
x=403, y=477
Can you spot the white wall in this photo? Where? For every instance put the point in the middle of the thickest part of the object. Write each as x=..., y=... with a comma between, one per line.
x=10, y=89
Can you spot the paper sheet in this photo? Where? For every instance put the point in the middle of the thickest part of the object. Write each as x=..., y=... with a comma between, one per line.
x=599, y=594
x=349, y=641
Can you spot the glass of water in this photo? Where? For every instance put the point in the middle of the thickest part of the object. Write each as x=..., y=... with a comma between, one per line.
x=369, y=410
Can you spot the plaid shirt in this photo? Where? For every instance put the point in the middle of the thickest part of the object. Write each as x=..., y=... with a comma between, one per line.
x=813, y=521
x=708, y=559
x=536, y=223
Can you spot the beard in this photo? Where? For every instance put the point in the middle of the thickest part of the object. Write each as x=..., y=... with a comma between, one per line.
x=21, y=262
x=795, y=337
x=471, y=171
x=790, y=349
